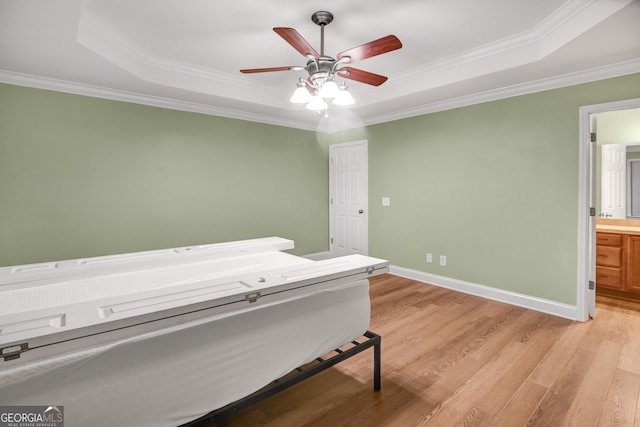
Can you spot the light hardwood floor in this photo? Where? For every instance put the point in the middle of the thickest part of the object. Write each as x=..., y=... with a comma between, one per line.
x=451, y=359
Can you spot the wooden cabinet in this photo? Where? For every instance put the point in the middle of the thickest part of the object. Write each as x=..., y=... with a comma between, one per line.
x=609, y=256
x=618, y=263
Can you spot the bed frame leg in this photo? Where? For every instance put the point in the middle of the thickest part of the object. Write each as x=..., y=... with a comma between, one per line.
x=376, y=364
x=220, y=416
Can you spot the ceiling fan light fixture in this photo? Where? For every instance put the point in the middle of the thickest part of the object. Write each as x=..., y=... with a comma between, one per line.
x=320, y=86
x=344, y=97
x=316, y=104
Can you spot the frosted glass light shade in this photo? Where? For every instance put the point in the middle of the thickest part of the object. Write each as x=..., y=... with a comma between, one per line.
x=316, y=103
x=300, y=96
x=344, y=98
x=329, y=89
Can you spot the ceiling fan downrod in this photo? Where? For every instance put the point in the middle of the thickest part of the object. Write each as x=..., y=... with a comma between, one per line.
x=322, y=18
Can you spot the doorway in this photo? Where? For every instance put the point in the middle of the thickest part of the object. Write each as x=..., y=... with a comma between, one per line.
x=586, y=286
x=348, y=199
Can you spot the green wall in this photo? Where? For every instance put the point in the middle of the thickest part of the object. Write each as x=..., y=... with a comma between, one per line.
x=493, y=186
x=619, y=127
x=81, y=177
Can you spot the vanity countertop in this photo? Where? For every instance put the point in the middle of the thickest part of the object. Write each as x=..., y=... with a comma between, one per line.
x=621, y=226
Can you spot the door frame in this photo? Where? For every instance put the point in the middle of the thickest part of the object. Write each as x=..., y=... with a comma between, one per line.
x=365, y=193
x=585, y=299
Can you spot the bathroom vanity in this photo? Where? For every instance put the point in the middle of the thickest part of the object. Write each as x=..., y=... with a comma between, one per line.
x=618, y=257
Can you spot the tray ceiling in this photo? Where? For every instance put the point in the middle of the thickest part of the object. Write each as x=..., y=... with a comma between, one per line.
x=187, y=55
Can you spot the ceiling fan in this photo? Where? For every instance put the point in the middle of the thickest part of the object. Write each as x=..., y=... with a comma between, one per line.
x=323, y=69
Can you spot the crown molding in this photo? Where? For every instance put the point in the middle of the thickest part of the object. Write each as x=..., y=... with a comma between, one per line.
x=567, y=23
x=586, y=76
x=571, y=79
x=563, y=25
x=56, y=85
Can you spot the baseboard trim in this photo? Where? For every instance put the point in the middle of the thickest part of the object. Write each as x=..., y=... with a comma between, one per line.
x=513, y=298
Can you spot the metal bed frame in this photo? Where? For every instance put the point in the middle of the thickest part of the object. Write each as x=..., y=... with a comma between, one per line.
x=221, y=415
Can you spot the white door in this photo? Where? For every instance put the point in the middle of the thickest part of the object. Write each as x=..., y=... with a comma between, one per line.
x=614, y=179
x=348, y=199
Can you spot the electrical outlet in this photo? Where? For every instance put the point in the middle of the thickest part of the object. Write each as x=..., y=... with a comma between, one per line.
x=429, y=257
x=443, y=260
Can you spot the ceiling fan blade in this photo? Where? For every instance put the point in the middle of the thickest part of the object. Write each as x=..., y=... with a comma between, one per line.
x=296, y=40
x=374, y=48
x=362, y=76
x=267, y=70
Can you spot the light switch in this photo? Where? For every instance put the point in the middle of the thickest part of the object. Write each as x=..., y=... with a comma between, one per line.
x=386, y=201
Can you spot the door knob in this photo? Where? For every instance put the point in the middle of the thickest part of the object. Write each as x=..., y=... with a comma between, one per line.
x=360, y=211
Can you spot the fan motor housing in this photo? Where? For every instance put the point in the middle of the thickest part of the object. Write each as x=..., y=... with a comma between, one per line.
x=320, y=68
x=323, y=64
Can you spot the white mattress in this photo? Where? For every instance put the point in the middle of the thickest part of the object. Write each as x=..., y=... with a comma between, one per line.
x=161, y=342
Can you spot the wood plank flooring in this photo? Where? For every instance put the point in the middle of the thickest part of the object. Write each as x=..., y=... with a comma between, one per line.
x=451, y=359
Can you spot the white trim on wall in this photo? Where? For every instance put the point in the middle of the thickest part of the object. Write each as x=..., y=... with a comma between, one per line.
x=520, y=300
x=64, y=86
x=508, y=297
x=585, y=76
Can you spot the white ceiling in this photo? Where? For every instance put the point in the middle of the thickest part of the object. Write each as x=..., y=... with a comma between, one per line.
x=187, y=54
